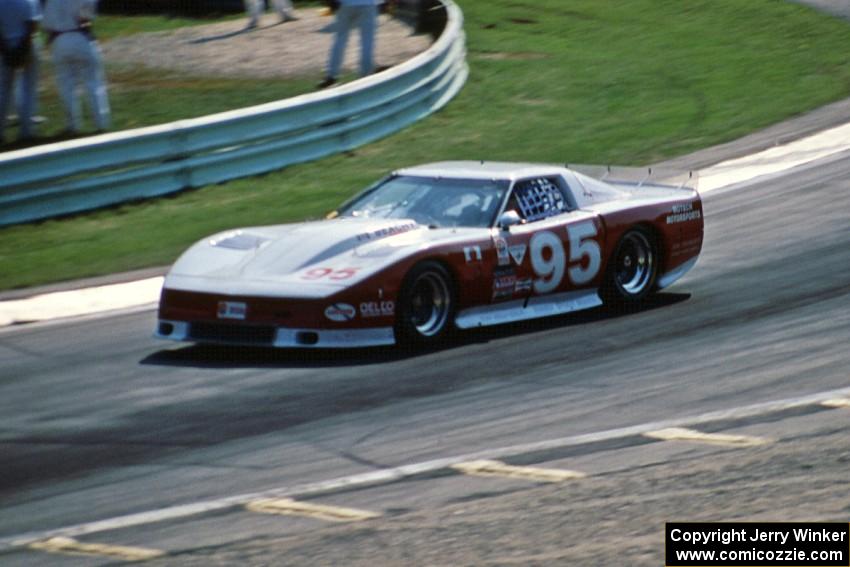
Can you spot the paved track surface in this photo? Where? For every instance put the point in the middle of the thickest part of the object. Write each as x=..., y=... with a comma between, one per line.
x=99, y=420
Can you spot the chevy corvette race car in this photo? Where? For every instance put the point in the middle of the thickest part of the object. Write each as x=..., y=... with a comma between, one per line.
x=437, y=247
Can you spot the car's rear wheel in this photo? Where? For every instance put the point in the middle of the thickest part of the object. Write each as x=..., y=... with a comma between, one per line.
x=426, y=305
x=632, y=269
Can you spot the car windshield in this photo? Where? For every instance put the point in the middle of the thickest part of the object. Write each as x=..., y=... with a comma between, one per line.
x=433, y=201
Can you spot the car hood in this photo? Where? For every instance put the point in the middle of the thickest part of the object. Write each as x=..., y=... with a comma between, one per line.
x=279, y=260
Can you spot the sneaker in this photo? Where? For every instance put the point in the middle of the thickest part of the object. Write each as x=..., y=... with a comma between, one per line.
x=328, y=82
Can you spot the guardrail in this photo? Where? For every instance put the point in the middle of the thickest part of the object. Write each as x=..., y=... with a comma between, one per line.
x=80, y=175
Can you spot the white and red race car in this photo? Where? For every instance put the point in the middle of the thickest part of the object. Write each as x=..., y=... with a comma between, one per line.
x=436, y=247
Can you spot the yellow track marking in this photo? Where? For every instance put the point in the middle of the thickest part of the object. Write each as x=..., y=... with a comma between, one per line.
x=73, y=547
x=498, y=468
x=682, y=434
x=836, y=403
x=289, y=507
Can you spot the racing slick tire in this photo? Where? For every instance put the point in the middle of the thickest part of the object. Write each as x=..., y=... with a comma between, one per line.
x=632, y=270
x=426, y=306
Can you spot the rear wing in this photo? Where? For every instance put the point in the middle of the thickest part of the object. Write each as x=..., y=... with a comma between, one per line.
x=636, y=177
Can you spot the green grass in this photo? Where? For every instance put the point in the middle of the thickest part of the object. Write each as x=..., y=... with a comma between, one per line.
x=581, y=81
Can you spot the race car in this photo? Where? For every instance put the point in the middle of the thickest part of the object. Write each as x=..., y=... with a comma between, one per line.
x=435, y=248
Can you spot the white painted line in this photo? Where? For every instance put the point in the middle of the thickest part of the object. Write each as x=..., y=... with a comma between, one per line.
x=490, y=468
x=836, y=403
x=290, y=507
x=80, y=302
x=386, y=476
x=71, y=546
x=774, y=160
x=685, y=434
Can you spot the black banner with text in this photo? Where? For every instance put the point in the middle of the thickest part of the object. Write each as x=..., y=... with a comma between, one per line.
x=757, y=544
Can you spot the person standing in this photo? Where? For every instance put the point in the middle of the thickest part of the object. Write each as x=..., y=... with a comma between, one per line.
x=255, y=9
x=362, y=14
x=18, y=23
x=77, y=60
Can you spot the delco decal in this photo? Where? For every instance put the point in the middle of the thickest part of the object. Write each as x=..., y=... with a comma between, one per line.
x=389, y=231
x=377, y=308
x=683, y=213
x=232, y=310
x=340, y=312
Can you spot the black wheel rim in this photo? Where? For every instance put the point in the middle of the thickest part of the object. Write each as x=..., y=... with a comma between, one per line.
x=430, y=303
x=635, y=264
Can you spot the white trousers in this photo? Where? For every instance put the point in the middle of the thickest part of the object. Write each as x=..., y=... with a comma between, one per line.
x=78, y=64
x=27, y=95
x=365, y=18
x=255, y=9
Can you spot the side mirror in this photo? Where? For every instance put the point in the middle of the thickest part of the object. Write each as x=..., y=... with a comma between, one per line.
x=508, y=219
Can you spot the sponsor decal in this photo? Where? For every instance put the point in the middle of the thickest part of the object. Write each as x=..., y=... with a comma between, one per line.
x=517, y=252
x=683, y=213
x=377, y=308
x=524, y=285
x=472, y=253
x=340, y=312
x=502, y=252
x=389, y=231
x=504, y=280
x=232, y=310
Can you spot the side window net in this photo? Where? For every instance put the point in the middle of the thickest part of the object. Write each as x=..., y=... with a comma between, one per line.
x=539, y=198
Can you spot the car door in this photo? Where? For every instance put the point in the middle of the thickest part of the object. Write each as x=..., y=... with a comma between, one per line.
x=557, y=248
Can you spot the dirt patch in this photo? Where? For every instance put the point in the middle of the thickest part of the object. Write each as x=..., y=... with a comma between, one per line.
x=273, y=49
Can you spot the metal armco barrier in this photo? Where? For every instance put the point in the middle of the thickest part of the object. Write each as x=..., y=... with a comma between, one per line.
x=81, y=175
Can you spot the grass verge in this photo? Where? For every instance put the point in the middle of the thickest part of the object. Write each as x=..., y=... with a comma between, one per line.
x=586, y=81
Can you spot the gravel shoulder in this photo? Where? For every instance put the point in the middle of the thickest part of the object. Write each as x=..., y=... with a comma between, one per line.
x=616, y=518
x=294, y=49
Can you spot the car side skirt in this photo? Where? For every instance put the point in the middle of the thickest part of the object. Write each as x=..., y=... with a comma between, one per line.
x=670, y=277
x=531, y=308
x=269, y=336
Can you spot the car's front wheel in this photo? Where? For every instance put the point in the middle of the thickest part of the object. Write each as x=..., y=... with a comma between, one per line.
x=426, y=305
x=632, y=269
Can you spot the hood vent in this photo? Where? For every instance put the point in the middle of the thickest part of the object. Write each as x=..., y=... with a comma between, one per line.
x=239, y=240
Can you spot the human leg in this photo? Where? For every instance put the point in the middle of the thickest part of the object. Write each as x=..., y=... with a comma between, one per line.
x=284, y=9
x=344, y=20
x=368, y=27
x=66, y=83
x=95, y=83
x=7, y=81
x=28, y=100
x=254, y=9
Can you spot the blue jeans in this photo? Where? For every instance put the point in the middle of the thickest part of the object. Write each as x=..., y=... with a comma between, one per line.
x=347, y=17
x=26, y=96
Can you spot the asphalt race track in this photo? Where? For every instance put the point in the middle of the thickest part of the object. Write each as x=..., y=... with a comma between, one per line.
x=101, y=421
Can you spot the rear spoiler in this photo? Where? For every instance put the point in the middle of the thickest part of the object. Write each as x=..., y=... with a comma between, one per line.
x=637, y=177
